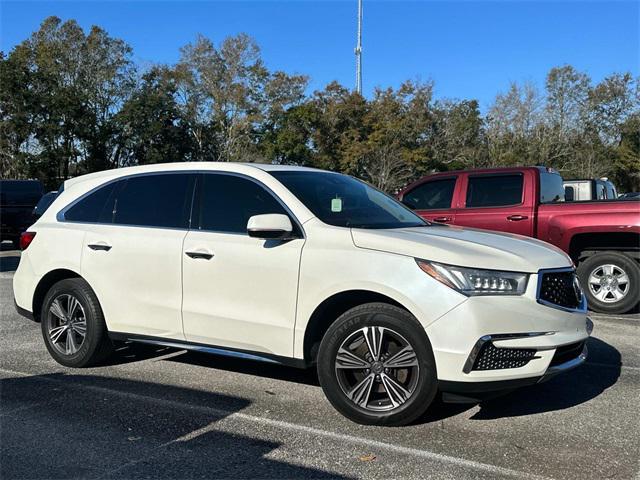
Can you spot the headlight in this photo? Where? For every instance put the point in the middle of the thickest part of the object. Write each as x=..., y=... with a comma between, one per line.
x=472, y=281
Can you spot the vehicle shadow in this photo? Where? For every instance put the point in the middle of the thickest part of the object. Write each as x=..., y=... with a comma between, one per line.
x=564, y=391
x=600, y=372
x=70, y=426
x=132, y=352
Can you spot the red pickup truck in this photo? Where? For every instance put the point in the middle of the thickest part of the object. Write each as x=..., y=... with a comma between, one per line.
x=602, y=237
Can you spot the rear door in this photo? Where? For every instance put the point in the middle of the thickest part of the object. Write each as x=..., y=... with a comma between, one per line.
x=132, y=257
x=433, y=199
x=497, y=202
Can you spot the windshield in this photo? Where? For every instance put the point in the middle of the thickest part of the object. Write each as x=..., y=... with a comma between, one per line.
x=343, y=201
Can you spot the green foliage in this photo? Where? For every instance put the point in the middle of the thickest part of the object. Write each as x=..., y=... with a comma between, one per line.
x=73, y=102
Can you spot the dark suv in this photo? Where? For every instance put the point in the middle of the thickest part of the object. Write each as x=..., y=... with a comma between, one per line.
x=17, y=201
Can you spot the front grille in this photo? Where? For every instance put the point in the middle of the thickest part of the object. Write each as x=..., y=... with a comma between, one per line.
x=494, y=358
x=567, y=353
x=560, y=288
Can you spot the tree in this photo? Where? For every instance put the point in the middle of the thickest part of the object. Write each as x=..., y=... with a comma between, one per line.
x=152, y=129
x=75, y=84
x=229, y=93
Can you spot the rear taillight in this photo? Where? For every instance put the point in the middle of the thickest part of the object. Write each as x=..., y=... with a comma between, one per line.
x=25, y=239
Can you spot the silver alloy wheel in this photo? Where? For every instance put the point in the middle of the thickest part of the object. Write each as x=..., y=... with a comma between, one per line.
x=608, y=283
x=66, y=324
x=377, y=369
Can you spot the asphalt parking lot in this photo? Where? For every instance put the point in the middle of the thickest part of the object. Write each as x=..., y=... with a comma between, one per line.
x=162, y=413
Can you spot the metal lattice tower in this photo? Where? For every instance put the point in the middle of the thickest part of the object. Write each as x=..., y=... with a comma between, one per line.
x=358, y=51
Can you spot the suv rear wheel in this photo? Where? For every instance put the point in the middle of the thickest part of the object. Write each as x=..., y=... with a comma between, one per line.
x=73, y=325
x=376, y=366
x=611, y=281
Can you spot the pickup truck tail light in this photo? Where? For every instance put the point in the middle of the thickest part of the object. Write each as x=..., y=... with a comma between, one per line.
x=25, y=239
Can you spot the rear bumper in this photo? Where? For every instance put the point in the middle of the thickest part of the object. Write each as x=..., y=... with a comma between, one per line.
x=473, y=392
x=23, y=312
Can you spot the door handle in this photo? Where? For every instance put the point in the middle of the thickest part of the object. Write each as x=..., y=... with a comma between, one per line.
x=99, y=246
x=517, y=218
x=442, y=219
x=200, y=254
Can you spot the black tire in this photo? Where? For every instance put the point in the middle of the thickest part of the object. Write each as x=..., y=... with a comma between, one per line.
x=96, y=347
x=399, y=322
x=624, y=263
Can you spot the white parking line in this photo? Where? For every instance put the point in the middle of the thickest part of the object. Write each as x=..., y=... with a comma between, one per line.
x=374, y=444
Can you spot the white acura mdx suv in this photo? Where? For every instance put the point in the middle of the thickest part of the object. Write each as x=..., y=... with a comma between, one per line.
x=302, y=267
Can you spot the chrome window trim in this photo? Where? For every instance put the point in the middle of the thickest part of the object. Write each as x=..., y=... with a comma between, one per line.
x=60, y=215
x=582, y=308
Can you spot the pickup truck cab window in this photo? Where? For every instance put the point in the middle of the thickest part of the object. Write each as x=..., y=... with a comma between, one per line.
x=433, y=195
x=552, y=189
x=494, y=190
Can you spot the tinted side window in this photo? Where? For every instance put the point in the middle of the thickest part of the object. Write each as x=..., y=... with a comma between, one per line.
x=161, y=200
x=569, y=193
x=551, y=188
x=611, y=191
x=494, y=191
x=431, y=195
x=600, y=192
x=97, y=207
x=227, y=202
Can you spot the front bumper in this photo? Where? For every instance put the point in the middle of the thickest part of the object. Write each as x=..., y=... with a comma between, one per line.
x=472, y=392
x=526, y=333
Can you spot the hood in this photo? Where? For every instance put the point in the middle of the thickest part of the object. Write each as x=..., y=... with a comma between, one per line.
x=466, y=247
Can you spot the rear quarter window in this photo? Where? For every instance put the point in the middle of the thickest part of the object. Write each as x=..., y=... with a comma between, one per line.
x=96, y=207
x=552, y=189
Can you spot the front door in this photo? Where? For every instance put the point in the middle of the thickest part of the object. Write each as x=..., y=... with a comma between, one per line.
x=239, y=292
x=432, y=200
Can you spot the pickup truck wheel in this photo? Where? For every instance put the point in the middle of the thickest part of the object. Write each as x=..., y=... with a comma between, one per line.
x=611, y=281
x=376, y=366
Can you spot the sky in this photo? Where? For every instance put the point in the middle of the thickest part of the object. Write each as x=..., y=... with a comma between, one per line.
x=470, y=49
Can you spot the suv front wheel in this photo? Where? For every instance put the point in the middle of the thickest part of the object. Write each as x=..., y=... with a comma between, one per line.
x=376, y=366
x=73, y=325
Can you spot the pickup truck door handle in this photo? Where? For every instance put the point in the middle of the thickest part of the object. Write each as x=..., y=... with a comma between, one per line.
x=517, y=218
x=99, y=246
x=200, y=254
x=442, y=219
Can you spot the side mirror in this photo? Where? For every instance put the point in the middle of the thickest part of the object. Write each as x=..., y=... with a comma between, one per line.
x=270, y=226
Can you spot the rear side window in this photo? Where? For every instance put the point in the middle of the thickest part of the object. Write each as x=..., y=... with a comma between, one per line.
x=97, y=207
x=227, y=202
x=161, y=200
x=494, y=191
x=436, y=194
x=552, y=189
